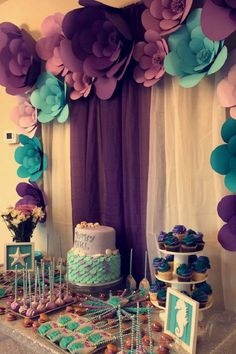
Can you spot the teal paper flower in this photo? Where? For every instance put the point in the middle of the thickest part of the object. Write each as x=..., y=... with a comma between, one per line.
x=223, y=158
x=31, y=158
x=50, y=99
x=192, y=55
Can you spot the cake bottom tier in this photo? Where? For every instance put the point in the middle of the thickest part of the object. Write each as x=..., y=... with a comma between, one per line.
x=89, y=270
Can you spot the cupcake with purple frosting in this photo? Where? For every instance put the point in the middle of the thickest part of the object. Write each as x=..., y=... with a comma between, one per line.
x=156, y=262
x=170, y=259
x=184, y=272
x=161, y=239
x=179, y=231
x=199, y=239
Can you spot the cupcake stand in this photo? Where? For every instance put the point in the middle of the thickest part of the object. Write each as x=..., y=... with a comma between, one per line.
x=180, y=258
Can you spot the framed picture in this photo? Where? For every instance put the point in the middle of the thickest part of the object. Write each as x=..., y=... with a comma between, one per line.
x=182, y=319
x=19, y=254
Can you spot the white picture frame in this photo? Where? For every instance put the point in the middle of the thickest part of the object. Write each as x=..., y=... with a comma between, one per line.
x=182, y=319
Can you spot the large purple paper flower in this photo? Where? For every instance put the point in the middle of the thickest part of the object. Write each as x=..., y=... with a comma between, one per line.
x=101, y=44
x=19, y=64
x=218, y=18
x=165, y=16
x=31, y=195
x=227, y=211
x=150, y=55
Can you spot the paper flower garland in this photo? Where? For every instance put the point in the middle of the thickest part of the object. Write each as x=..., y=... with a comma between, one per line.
x=31, y=158
x=19, y=64
x=227, y=211
x=31, y=195
x=101, y=44
x=25, y=117
x=218, y=18
x=150, y=55
x=226, y=91
x=193, y=55
x=165, y=17
x=50, y=99
x=223, y=158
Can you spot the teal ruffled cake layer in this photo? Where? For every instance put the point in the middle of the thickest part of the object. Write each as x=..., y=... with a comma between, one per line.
x=93, y=270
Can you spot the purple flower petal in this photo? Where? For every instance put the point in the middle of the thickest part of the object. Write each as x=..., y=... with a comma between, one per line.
x=227, y=207
x=227, y=238
x=105, y=87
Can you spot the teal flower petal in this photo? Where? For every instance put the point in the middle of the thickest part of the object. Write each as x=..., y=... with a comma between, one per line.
x=228, y=129
x=35, y=99
x=191, y=80
x=220, y=159
x=196, y=33
x=181, y=35
x=19, y=154
x=45, y=118
x=173, y=64
x=230, y=181
x=193, y=19
x=196, y=45
x=208, y=44
x=232, y=164
x=37, y=142
x=63, y=115
x=219, y=61
x=22, y=172
x=232, y=145
x=35, y=176
x=23, y=139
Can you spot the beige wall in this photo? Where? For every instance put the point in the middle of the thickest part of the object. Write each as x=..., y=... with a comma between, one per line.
x=29, y=14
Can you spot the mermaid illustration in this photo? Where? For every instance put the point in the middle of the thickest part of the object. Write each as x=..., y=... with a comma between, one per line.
x=181, y=317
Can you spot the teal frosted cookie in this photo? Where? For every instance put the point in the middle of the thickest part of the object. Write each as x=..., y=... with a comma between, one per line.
x=65, y=341
x=72, y=325
x=46, y=327
x=80, y=347
x=56, y=334
x=63, y=320
x=86, y=329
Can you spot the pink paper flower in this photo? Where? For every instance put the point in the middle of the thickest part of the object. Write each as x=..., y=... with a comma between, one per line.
x=165, y=16
x=218, y=18
x=25, y=117
x=150, y=55
x=226, y=88
x=52, y=48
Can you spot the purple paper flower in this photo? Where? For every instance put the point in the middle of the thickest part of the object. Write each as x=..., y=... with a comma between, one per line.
x=218, y=18
x=101, y=44
x=19, y=64
x=49, y=49
x=31, y=195
x=165, y=16
x=227, y=211
x=150, y=55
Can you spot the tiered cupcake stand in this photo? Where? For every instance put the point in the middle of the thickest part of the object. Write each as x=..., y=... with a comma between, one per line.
x=180, y=258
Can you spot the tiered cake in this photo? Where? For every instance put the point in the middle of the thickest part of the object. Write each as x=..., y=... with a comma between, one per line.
x=94, y=259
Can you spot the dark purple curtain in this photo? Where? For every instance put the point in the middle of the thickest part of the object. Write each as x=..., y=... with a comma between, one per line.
x=109, y=165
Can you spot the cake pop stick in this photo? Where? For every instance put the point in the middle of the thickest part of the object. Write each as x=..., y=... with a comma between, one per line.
x=67, y=280
x=38, y=277
x=50, y=282
x=130, y=281
x=30, y=295
x=144, y=284
x=43, y=277
x=35, y=283
x=60, y=279
x=15, y=282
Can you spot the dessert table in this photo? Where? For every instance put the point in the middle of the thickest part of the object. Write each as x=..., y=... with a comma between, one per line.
x=217, y=334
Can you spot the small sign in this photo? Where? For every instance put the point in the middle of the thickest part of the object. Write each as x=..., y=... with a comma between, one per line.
x=182, y=319
x=20, y=254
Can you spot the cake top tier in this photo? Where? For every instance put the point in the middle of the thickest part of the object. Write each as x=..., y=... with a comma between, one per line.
x=94, y=239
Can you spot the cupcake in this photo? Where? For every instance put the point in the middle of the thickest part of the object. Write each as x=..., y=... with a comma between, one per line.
x=160, y=239
x=179, y=231
x=161, y=297
x=170, y=259
x=201, y=297
x=184, y=273
x=189, y=243
x=191, y=231
x=156, y=262
x=164, y=271
x=172, y=243
x=206, y=288
x=199, y=270
x=205, y=261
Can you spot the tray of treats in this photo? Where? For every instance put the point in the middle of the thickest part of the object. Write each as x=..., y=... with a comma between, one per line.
x=76, y=334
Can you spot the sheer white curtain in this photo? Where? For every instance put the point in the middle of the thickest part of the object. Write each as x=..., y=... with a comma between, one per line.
x=182, y=187
x=57, y=186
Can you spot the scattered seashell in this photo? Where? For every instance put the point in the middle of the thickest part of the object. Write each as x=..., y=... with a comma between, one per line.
x=108, y=252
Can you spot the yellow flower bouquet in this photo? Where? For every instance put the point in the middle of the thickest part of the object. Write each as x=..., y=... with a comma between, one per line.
x=21, y=221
